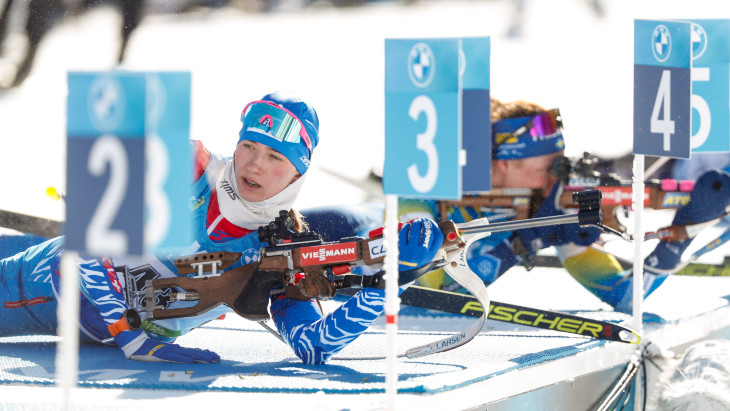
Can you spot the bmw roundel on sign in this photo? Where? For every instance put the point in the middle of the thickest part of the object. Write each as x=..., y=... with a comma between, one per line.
x=157, y=98
x=662, y=41
x=699, y=41
x=663, y=77
x=106, y=103
x=421, y=65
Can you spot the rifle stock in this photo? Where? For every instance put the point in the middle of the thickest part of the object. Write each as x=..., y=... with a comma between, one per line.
x=305, y=270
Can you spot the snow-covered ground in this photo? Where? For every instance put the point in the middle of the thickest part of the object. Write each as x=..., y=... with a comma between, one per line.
x=567, y=56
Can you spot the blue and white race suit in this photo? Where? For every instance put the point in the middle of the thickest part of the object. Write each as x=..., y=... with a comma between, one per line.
x=29, y=289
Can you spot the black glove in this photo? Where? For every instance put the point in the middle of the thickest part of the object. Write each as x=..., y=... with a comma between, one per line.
x=537, y=238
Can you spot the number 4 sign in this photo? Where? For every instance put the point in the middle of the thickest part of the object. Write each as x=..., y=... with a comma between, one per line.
x=662, y=88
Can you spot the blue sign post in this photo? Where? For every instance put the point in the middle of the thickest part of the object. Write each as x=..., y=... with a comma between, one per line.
x=476, y=114
x=423, y=139
x=168, y=221
x=710, y=86
x=422, y=118
x=129, y=166
x=436, y=98
x=105, y=166
x=662, y=88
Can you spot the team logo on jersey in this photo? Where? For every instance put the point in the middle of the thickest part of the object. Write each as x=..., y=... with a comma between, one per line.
x=661, y=42
x=699, y=41
x=421, y=65
x=197, y=202
x=334, y=253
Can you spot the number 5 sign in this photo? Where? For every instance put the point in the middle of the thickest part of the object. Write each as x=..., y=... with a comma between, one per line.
x=710, y=85
x=128, y=167
x=662, y=88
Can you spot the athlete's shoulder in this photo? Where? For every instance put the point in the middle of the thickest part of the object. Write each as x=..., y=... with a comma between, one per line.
x=205, y=161
x=201, y=157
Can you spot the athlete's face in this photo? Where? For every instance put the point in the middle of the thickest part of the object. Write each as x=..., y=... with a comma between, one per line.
x=533, y=172
x=261, y=171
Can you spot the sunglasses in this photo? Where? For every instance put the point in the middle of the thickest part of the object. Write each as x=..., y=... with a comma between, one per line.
x=539, y=125
x=275, y=121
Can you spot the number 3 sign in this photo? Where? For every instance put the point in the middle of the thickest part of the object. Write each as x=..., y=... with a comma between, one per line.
x=427, y=84
x=128, y=167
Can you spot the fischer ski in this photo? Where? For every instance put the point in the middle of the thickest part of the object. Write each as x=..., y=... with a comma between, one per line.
x=466, y=305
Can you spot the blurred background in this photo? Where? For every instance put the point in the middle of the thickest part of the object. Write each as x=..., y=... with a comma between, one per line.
x=576, y=55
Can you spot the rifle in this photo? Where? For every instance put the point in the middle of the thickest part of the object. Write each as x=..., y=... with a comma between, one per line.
x=307, y=267
x=577, y=176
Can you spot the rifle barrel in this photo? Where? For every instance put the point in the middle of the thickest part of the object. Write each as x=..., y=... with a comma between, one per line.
x=519, y=224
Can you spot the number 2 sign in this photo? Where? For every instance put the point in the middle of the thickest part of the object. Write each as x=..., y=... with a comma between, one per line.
x=662, y=88
x=128, y=166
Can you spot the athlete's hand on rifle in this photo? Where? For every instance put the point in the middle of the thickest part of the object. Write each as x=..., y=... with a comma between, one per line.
x=708, y=201
x=418, y=243
x=537, y=238
x=137, y=346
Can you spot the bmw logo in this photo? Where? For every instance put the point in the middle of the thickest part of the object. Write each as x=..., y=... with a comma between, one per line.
x=421, y=65
x=661, y=42
x=699, y=41
x=106, y=103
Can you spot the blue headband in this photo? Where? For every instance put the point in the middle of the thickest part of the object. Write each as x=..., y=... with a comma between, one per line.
x=523, y=137
x=286, y=124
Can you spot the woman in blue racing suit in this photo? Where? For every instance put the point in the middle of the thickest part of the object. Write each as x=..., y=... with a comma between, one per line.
x=232, y=198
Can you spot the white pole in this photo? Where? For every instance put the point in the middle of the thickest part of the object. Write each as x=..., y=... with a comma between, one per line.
x=638, y=203
x=67, y=351
x=392, y=301
x=638, y=291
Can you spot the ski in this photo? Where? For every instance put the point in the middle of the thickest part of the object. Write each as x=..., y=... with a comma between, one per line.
x=466, y=305
x=706, y=270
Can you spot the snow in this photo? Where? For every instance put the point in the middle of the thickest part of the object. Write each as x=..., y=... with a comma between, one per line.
x=567, y=56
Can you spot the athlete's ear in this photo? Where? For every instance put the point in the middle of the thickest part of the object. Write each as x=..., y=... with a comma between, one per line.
x=501, y=165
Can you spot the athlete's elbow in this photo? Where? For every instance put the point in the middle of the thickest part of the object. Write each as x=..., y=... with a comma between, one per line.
x=313, y=356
